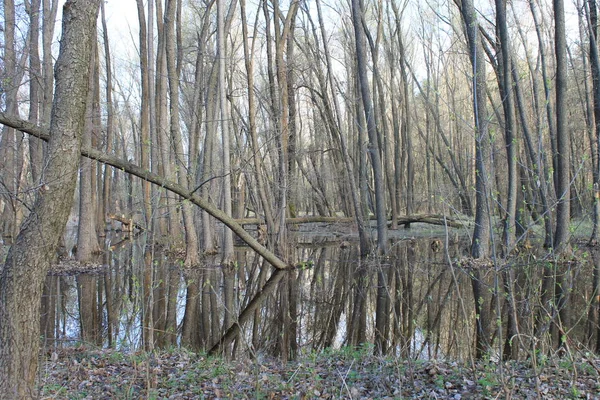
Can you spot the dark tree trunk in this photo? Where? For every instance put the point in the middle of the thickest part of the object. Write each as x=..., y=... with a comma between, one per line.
x=595, y=66
x=562, y=172
x=374, y=151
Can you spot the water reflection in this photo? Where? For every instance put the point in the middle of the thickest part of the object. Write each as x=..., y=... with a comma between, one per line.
x=412, y=303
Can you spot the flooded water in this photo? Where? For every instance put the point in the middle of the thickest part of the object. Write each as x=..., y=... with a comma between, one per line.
x=416, y=302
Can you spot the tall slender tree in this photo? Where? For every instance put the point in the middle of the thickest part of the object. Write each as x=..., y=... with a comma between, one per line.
x=562, y=171
x=173, y=57
x=591, y=12
x=226, y=168
x=480, y=247
x=506, y=94
x=367, y=109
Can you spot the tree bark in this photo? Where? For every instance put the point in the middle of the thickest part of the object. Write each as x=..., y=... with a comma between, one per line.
x=23, y=274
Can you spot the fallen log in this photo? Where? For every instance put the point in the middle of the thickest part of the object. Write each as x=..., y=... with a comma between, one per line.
x=432, y=219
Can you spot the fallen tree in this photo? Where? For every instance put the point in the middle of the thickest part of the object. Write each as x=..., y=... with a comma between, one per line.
x=44, y=134
x=433, y=219
x=235, y=225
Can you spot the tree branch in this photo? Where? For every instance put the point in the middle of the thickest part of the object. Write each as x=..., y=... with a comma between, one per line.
x=44, y=134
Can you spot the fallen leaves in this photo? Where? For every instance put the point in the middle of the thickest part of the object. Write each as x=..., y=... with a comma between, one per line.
x=179, y=374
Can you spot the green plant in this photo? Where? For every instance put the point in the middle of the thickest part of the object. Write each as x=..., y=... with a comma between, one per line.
x=575, y=393
x=54, y=389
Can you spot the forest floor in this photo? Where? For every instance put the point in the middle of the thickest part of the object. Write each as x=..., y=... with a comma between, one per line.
x=80, y=373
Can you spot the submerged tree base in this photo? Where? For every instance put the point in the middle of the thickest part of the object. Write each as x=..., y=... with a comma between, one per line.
x=345, y=373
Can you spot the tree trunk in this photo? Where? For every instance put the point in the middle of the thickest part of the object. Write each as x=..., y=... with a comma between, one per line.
x=89, y=323
x=108, y=204
x=87, y=238
x=146, y=144
x=364, y=241
x=592, y=12
x=562, y=171
x=22, y=277
x=226, y=168
x=547, y=92
x=190, y=336
x=374, y=151
x=36, y=147
x=257, y=159
x=506, y=94
x=11, y=157
x=480, y=247
x=173, y=68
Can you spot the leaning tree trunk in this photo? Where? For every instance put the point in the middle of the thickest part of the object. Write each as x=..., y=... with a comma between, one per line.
x=22, y=277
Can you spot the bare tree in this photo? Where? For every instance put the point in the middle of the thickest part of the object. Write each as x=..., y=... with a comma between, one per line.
x=480, y=246
x=562, y=171
x=367, y=102
x=226, y=168
x=173, y=58
x=22, y=276
x=145, y=138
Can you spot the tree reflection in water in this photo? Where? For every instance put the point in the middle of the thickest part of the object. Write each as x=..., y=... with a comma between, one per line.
x=416, y=302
